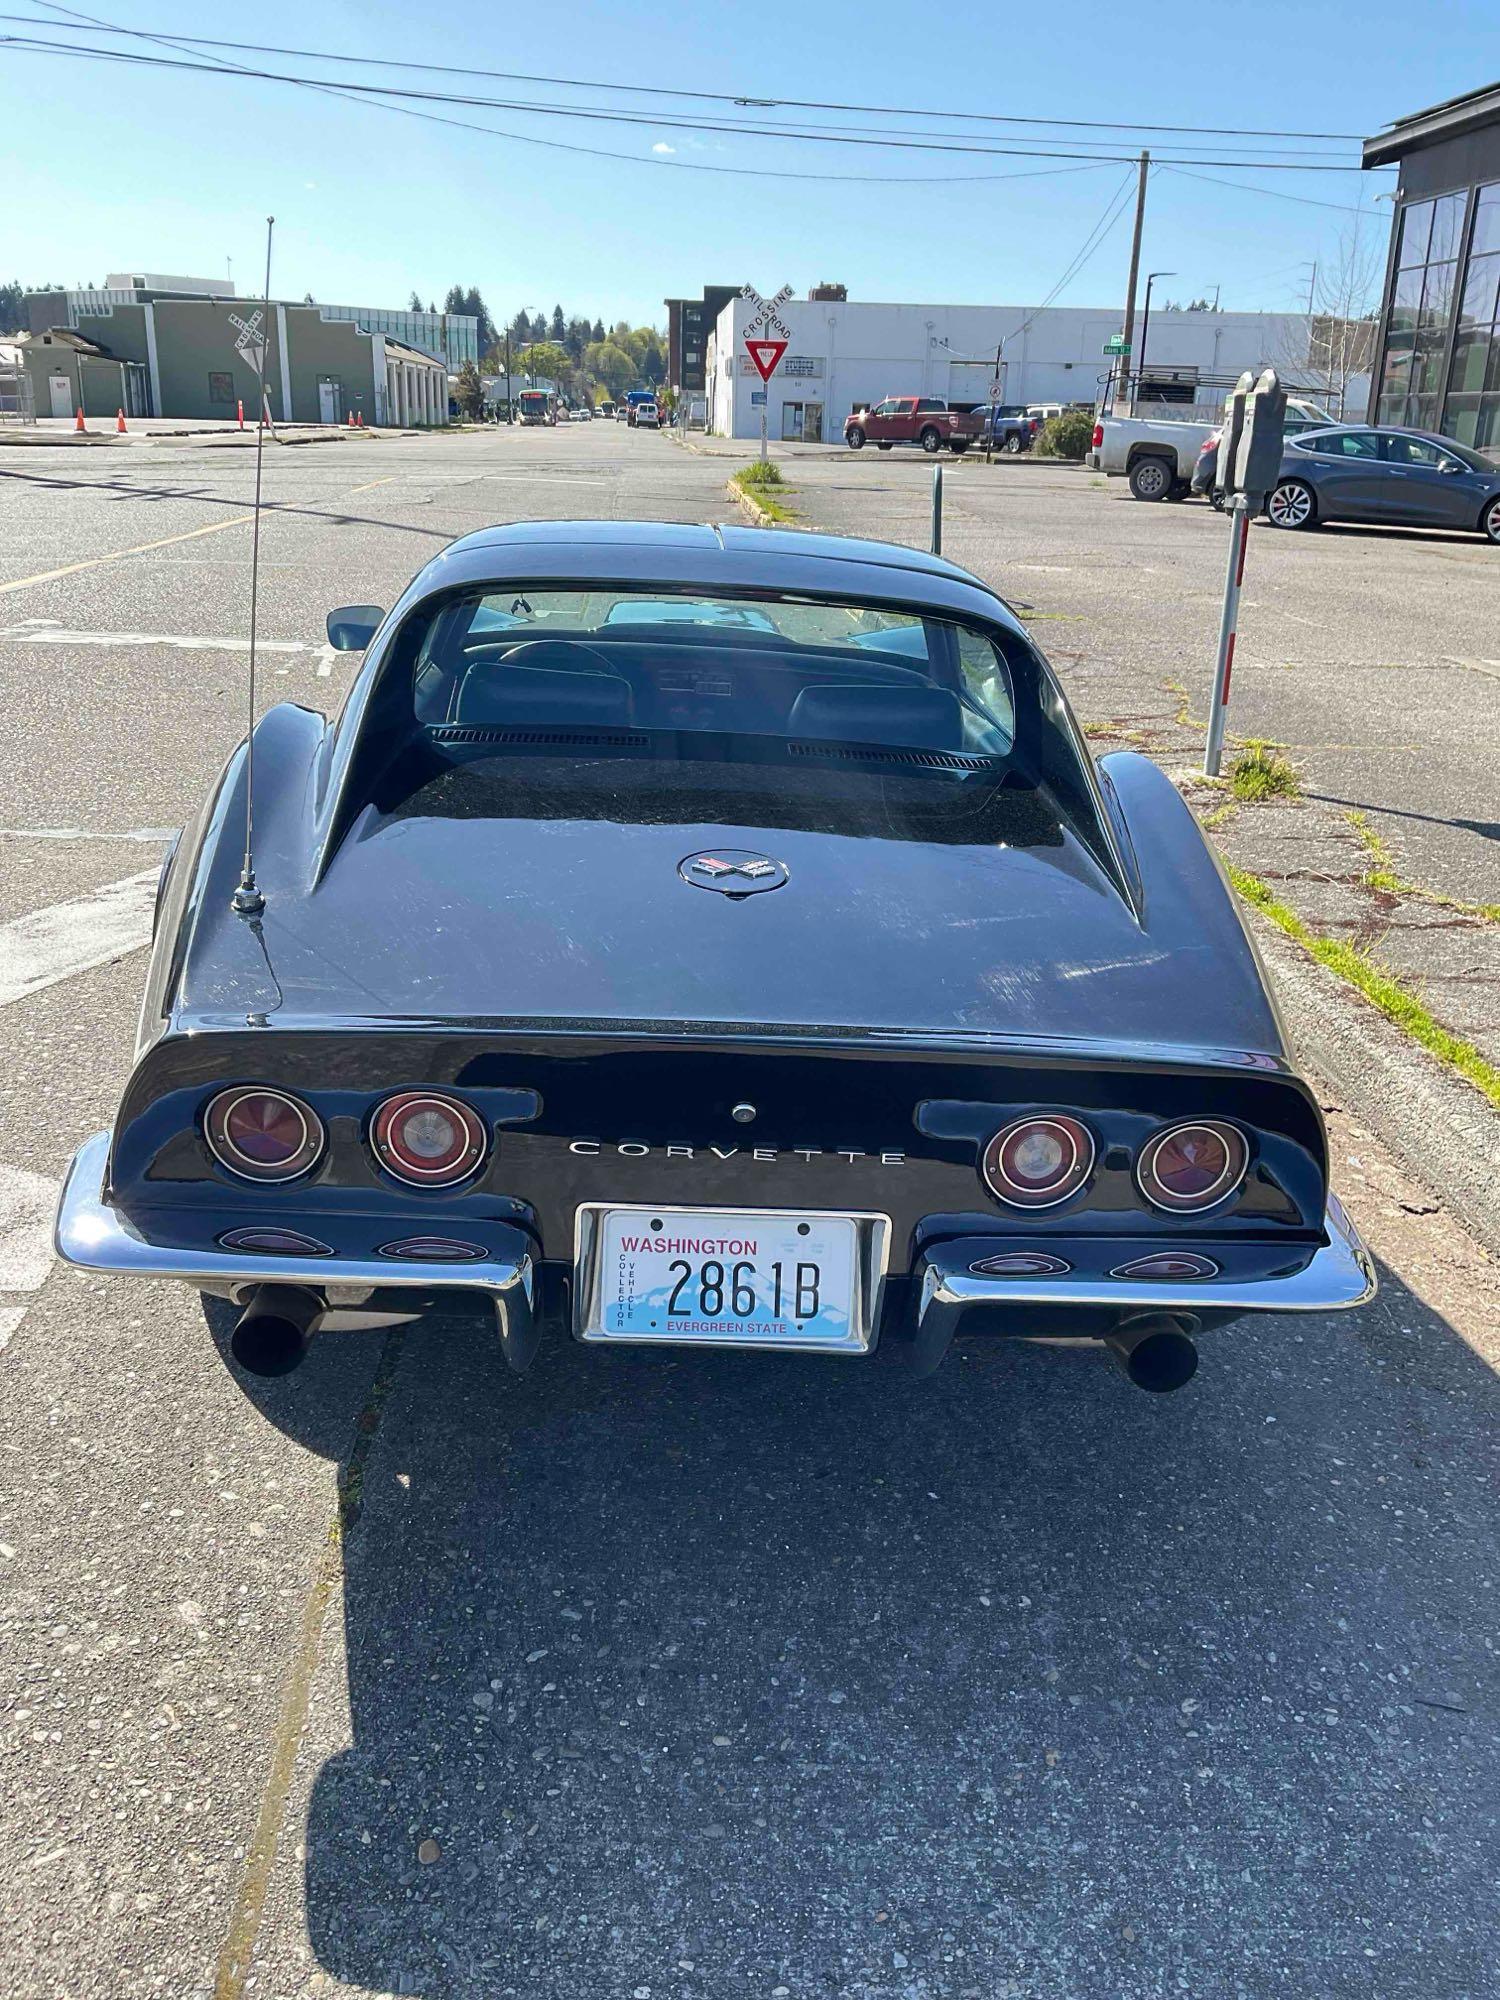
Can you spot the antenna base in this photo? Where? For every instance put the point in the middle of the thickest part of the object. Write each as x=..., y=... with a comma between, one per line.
x=247, y=901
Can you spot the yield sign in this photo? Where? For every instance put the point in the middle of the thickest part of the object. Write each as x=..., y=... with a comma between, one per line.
x=765, y=354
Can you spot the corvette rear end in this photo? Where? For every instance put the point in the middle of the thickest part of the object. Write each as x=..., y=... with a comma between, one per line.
x=711, y=938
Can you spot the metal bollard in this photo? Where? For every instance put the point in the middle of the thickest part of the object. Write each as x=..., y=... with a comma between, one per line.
x=937, y=510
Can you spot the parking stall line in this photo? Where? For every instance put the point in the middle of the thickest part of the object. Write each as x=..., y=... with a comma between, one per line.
x=46, y=946
x=28, y=1203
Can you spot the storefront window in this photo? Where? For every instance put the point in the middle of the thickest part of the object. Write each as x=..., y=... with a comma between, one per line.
x=1421, y=316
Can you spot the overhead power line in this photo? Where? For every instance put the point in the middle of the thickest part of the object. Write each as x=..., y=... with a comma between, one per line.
x=746, y=100
x=1278, y=194
x=382, y=93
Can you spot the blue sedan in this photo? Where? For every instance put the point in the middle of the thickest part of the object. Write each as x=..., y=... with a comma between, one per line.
x=1399, y=478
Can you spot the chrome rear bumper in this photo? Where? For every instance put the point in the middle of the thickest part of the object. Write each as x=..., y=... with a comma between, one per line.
x=1338, y=1274
x=96, y=1236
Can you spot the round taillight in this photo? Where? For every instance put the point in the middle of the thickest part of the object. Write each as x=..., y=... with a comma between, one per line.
x=262, y=1135
x=1038, y=1162
x=1191, y=1167
x=428, y=1140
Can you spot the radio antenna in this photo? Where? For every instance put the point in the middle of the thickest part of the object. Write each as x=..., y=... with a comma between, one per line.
x=253, y=343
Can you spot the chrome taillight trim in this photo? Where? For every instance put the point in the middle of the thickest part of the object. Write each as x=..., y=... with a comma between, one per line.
x=1227, y=1184
x=216, y=1116
x=401, y=1102
x=1014, y=1193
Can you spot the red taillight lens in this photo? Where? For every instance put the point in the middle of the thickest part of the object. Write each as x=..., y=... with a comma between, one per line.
x=1191, y=1167
x=428, y=1140
x=262, y=1135
x=1038, y=1162
x=1098, y=436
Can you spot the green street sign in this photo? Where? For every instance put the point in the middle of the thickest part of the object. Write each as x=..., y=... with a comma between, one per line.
x=1116, y=344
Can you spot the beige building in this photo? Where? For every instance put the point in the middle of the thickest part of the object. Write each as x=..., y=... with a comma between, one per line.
x=176, y=355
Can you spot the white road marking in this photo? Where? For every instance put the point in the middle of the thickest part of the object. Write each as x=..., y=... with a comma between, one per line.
x=28, y=1203
x=326, y=658
x=1490, y=667
x=47, y=632
x=152, y=836
x=38, y=950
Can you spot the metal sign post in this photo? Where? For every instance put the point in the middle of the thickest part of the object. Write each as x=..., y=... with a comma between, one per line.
x=937, y=510
x=766, y=339
x=1249, y=461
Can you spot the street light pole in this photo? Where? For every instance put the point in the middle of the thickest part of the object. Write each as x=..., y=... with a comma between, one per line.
x=1151, y=278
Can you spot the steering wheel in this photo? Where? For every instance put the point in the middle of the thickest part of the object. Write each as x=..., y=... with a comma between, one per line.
x=567, y=656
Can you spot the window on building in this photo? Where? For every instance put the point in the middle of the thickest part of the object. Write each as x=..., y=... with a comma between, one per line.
x=1411, y=387
x=1472, y=414
x=220, y=387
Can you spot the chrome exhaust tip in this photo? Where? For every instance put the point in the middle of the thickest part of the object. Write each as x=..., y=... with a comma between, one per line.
x=273, y=1333
x=1156, y=1354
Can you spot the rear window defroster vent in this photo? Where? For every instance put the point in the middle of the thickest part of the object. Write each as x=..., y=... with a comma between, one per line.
x=855, y=753
x=569, y=739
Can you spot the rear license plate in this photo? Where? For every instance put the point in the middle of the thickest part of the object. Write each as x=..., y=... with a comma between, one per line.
x=723, y=1278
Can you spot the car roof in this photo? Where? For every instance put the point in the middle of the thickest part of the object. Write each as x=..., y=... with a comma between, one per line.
x=708, y=556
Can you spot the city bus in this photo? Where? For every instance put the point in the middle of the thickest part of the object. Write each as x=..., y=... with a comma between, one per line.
x=537, y=406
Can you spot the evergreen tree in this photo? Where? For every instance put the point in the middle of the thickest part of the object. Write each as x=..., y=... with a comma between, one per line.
x=559, y=326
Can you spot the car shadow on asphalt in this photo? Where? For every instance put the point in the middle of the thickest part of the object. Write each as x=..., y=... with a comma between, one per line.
x=710, y=1674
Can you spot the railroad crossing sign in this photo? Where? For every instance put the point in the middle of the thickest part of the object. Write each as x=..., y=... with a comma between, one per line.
x=767, y=315
x=251, y=342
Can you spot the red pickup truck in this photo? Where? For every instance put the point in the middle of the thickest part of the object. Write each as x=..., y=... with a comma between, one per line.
x=912, y=420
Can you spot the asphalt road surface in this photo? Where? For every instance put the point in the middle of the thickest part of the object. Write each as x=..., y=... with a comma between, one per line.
x=645, y=1676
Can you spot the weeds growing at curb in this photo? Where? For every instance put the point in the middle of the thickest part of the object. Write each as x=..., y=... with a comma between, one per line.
x=1381, y=989
x=1383, y=876
x=754, y=484
x=1260, y=772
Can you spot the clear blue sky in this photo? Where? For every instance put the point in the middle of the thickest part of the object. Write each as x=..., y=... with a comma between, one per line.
x=109, y=168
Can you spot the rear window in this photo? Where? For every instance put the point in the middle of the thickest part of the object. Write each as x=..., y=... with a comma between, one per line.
x=689, y=676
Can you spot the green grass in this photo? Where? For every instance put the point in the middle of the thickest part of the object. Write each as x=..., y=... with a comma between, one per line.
x=1383, y=876
x=760, y=483
x=1382, y=989
x=1260, y=772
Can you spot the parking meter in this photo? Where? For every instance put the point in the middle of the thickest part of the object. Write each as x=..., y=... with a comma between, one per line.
x=1230, y=433
x=1258, y=454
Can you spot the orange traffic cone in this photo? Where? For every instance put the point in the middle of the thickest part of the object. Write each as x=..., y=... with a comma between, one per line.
x=120, y=423
x=359, y=419
x=239, y=411
x=78, y=423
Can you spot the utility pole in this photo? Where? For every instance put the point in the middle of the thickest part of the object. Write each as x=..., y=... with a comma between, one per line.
x=1312, y=288
x=1122, y=379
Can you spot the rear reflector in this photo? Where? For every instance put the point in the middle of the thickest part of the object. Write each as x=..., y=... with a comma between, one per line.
x=434, y=1250
x=275, y=1243
x=1168, y=1264
x=1021, y=1264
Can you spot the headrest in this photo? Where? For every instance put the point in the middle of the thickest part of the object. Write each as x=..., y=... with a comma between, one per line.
x=916, y=718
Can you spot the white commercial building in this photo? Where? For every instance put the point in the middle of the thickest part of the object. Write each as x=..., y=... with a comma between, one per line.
x=846, y=353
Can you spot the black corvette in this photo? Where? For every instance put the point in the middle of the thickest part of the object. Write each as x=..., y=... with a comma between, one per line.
x=709, y=936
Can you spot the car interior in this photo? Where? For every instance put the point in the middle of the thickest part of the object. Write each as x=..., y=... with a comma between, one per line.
x=811, y=675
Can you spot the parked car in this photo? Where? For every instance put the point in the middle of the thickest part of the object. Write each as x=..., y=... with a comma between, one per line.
x=1300, y=416
x=919, y=420
x=1403, y=478
x=657, y=1073
x=1160, y=456
x=1008, y=427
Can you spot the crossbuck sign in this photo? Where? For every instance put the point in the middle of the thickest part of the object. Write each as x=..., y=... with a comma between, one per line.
x=250, y=344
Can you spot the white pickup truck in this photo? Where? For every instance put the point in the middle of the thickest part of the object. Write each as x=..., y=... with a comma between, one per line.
x=1158, y=455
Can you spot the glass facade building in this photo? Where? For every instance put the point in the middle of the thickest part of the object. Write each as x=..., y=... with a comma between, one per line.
x=452, y=337
x=1440, y=324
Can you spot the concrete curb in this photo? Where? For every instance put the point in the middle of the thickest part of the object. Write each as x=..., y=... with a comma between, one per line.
x=1424, y=1114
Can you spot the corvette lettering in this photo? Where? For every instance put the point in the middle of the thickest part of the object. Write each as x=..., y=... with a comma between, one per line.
x=633, y=1149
